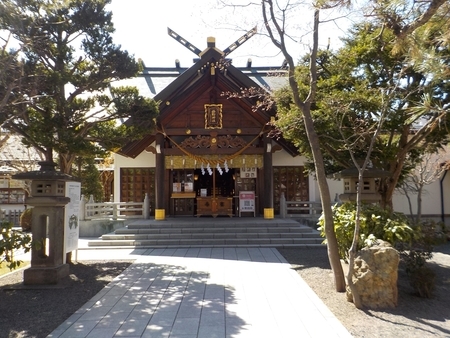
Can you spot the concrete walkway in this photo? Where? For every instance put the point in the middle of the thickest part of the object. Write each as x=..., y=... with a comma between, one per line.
x=207, y=292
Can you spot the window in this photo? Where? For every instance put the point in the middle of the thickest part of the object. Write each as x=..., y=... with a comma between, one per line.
x=11, y=191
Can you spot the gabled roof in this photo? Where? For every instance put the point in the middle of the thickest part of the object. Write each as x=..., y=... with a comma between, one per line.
x=181, y=84
x=12, y=150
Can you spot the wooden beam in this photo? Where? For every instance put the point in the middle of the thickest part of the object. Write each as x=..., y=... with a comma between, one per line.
x=184, y=42
x=207, y=151
x=202, y=131
x=240, y=41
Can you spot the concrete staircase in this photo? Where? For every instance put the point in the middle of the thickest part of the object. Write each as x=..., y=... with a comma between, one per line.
x=211, y=232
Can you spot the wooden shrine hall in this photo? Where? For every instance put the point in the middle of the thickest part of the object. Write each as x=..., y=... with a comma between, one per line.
x=212, y=154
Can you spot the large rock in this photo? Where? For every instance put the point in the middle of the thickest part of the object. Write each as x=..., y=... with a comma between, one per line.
x=375, y=276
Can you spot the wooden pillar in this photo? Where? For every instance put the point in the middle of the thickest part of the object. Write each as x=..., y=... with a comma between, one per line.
x=159, y=177
x=268, y=179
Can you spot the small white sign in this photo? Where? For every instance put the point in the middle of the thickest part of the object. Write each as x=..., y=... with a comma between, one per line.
x=188, y=187
x=249, y=172
x=246, y=202
x=71, y=213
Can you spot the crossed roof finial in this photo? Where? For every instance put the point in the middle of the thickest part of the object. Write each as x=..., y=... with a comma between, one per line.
x=226, y=51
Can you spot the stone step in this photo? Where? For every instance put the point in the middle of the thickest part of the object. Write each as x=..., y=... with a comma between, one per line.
x=206, y=235
x=164, y=230
x=193, y=242
x=209, y=232
x=193, y=222
x=203, y=225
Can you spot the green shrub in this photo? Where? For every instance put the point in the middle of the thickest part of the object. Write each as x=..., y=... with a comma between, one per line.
x=423, y=281
x=414, y=256
x=11, y=241
x=432, y=232
x=376, y=223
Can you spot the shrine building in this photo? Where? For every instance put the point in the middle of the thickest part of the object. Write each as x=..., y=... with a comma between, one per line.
x=211, y=154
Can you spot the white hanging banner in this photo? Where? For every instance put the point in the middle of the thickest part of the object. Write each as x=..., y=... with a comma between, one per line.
x=71, y=220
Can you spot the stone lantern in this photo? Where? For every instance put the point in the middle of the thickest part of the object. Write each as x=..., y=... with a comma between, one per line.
x=48, y=200
x=369, y=189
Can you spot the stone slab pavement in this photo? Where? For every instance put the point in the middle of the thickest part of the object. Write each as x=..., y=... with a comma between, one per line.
x=202, y=292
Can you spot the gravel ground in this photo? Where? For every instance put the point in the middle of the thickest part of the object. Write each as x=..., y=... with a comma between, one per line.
x=27, y=313
x=413, y=317
x=37, y=312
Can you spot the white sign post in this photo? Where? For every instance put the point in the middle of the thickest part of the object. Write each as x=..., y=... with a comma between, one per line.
x=71, y=221
x=246, y=202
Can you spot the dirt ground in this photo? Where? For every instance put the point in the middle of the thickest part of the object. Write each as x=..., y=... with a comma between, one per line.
x=37, y=312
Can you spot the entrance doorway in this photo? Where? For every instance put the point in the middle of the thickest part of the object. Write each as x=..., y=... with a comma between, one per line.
x=194, y=192
x=224, y=185
x=198, y=193
x=215, y=192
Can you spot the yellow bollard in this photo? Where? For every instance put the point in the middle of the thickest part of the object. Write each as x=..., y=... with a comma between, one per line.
x=160, y=214
x=268, y=213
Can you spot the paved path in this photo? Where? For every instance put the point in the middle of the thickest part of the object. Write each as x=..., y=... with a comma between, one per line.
x=208, y=292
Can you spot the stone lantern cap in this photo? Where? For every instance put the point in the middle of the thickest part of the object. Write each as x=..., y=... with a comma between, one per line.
x=46, y=182
x=46, y=173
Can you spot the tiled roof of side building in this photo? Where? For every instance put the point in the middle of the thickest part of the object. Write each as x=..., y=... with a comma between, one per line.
x=12, y=149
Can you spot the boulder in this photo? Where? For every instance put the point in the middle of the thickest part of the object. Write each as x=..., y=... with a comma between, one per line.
x=375, y=276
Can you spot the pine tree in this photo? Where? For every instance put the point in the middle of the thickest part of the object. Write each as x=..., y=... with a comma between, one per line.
x=70, y=105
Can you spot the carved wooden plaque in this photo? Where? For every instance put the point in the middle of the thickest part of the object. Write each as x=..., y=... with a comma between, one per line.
x=213, y=116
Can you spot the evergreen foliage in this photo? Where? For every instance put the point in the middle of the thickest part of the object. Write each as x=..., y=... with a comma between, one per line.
x=70, y=104
x=364, y=79
x=90, y=179
x=10, y=241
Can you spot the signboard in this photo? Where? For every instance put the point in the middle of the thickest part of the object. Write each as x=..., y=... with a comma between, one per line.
x=176, y=187
x=71, y=220
x=189, y=187
x=246, y=202
x=249, y=172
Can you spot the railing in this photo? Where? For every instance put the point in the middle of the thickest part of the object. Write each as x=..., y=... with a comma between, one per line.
x=299, y=208
x=114, y=210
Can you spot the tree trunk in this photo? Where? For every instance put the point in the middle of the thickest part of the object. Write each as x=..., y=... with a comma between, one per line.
x=65, y=163
x=386, y=191
x=305, y=108
x=332, y=245
x=48, y=155
x=353, y=249
x=419, y=205
x=411, y=212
